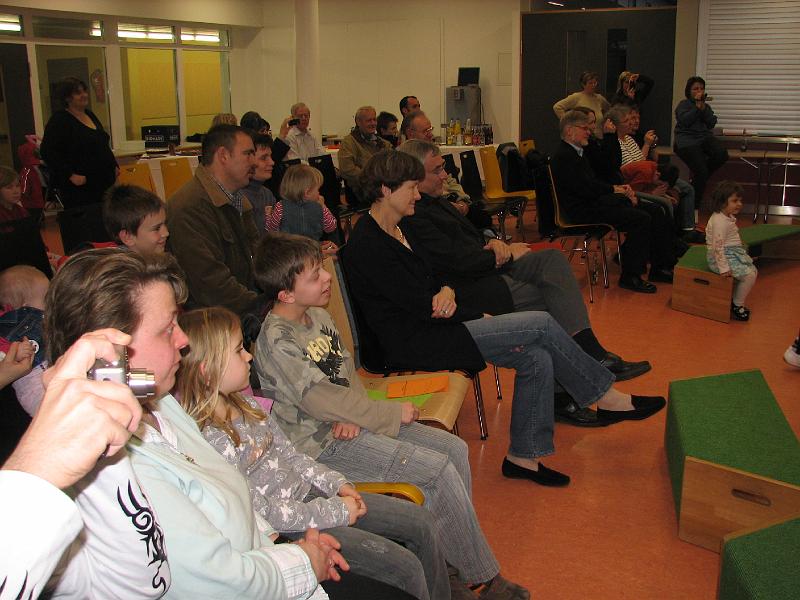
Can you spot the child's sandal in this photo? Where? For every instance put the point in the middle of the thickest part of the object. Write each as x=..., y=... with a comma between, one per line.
x=740, y=313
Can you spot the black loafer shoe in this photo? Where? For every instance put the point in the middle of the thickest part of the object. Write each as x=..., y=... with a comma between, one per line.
x=661, y=275
x=643, y=407
x=543, y=476
x=573, y=414
x=622, y=369
x=636, y=284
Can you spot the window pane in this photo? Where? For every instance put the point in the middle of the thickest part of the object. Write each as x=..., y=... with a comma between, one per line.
x=148, y=34
x=66, y=29
x=148, y=87
x=204, y=37
x=10, y=25
x=206, y=87
x=87, y=63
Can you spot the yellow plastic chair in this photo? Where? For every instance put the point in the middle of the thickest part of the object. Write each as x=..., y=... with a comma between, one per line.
x=175, y=172
x=137, y=174
x=526, y=146
x=494, y=192
x=441, y=407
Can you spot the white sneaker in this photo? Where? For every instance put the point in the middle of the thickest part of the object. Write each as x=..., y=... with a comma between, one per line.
x=792, y=354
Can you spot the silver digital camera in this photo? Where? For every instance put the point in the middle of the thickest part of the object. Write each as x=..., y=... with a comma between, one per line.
x=141, y=381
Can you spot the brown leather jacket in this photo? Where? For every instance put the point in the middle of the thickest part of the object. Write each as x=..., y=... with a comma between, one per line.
x=213, y=244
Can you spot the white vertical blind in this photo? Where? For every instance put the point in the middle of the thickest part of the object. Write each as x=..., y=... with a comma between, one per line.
x=749, y=54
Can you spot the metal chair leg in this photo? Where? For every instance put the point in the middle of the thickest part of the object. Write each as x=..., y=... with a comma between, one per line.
x=604, y=260
x=476, y=387
x=588, y=268
x=497, y=383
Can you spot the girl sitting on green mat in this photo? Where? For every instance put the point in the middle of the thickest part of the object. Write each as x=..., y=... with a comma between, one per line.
x=726, y=253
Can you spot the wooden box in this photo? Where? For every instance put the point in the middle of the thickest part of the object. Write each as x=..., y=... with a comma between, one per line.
x=702, y=293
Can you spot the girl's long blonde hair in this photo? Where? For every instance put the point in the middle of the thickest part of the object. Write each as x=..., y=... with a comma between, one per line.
x=203, y=365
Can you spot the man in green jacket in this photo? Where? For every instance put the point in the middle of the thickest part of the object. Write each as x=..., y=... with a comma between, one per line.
x=212, y=229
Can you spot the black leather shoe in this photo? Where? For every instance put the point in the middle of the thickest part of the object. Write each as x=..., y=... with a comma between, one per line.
x=661, y=275
x=623, y=369
x=643, y=407
x=573, y=414
x=636, y=284
x=543, y=476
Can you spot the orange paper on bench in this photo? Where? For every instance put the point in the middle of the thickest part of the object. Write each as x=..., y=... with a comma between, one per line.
x=416, y=387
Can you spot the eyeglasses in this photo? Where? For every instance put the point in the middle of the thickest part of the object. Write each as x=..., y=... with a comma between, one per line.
x=428, y=130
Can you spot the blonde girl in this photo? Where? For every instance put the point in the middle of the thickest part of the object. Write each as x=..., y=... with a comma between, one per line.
x=290, y=490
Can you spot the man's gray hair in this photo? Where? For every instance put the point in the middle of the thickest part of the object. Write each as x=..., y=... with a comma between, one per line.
x=363, y=110
x=297, y=106
x=571, y=119
x=408, y=120
x=419, y=149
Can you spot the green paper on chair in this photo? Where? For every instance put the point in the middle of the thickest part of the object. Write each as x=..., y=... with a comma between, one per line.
x=417, y=401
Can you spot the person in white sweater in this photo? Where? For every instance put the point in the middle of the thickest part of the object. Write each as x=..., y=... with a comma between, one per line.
x=587, y=97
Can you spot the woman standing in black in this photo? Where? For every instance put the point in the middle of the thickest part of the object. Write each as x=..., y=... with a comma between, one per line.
x=76, y=148
x=82, y=167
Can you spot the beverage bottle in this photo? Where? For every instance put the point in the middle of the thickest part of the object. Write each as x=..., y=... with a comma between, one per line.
x=468, y=132
x=457, y=134
x=476, y=135
x=451, y=133
x=489, y=134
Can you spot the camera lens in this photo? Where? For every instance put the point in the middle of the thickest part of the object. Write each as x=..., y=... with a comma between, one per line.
x=142, y=383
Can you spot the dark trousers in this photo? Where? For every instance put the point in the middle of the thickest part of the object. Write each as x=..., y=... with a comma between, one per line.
x=648, y=232
x=703, y=159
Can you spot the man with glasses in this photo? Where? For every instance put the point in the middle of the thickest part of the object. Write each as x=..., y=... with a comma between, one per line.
x=417, y=126
x=587, y=199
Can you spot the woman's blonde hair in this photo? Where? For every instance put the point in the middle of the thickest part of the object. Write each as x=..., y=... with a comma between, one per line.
x=224, y=119
x=203, y=365
x=7, y=176
x=297, y=180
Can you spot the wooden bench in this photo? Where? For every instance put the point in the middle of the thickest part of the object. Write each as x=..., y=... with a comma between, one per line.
x=761, y=564
x=733, y=459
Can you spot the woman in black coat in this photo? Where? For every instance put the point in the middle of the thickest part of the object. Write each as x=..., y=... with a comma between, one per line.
x=76, y=148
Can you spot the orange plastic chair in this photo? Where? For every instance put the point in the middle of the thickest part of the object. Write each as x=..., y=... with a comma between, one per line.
x=137, y=174
x=175, y=172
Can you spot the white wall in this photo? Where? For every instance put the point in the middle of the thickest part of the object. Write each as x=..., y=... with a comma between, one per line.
x=374, y=52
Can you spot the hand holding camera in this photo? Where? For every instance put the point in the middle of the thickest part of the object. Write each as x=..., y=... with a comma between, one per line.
x=78, y=419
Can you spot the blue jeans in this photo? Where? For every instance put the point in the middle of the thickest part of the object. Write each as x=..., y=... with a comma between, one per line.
x=394, y=543
x=539, y=350
x=438, y=463
x=685, y=214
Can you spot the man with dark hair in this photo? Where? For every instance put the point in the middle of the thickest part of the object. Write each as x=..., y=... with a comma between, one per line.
x=588, y=199
x=211, y=223
x=409, y=104
x=387, y=128
x=502, y=278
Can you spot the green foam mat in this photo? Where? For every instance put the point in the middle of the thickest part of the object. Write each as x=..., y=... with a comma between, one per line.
x=762, y=565
x=731, y=420
x=758, y=234
x=695, y=258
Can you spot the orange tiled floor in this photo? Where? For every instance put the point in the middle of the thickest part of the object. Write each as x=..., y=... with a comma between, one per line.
x=612, y=534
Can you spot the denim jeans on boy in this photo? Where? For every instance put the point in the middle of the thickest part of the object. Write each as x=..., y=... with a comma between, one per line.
x=539, y=350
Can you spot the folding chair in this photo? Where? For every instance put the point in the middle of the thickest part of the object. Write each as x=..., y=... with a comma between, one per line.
x=175, y=172
x=137, y=174
x=587, y=231
x=450, y=166
x=471, y=182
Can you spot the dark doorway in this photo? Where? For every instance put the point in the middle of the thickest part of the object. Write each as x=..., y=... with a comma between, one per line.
x=16, y=105
x=608, y=42
x=58, y=69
